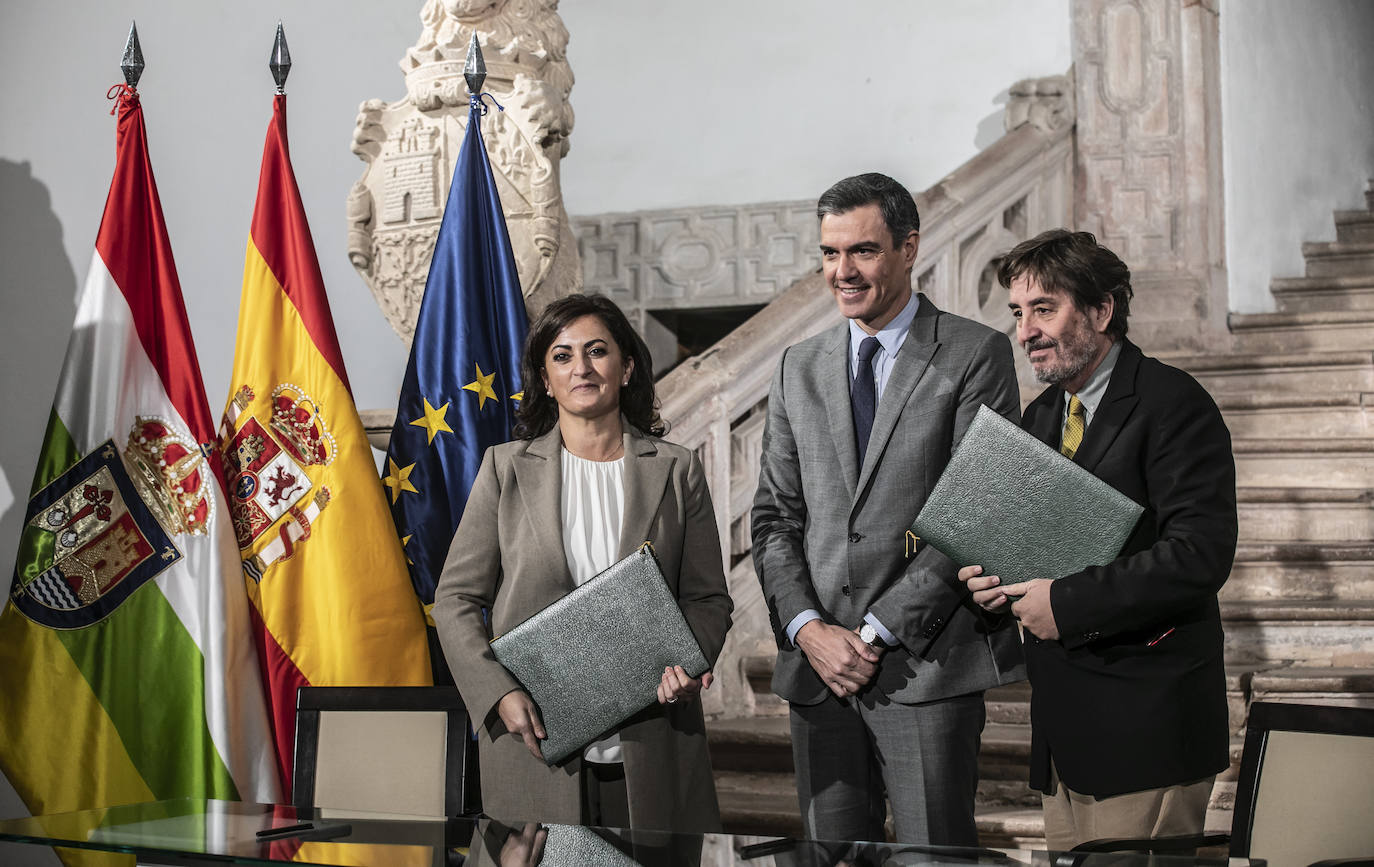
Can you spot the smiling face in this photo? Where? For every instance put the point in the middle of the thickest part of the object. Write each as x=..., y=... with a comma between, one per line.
x=1064, y=344
x=584, y=369
x=869, y=275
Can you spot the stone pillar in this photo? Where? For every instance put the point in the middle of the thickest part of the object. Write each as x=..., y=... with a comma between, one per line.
x=1148, y=160
x=411, y=146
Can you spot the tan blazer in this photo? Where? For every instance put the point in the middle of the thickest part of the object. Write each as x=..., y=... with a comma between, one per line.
x=507, y=556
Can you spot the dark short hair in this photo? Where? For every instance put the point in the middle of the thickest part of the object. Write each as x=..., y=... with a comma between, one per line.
x=893, y=200
x=1073, y=263
x=538, y=411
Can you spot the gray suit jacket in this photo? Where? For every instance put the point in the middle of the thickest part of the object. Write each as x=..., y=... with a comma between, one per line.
x=507, y=557
x=829, y=534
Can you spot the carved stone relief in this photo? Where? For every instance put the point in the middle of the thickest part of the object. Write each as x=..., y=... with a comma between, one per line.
x=1045, y=103
x=1148, y=156
x=395, y=208
x=699, y=257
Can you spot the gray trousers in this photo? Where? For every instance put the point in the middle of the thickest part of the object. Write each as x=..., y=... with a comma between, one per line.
x=924, y=757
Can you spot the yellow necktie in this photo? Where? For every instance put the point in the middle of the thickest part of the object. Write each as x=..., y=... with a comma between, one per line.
x=1073, y=428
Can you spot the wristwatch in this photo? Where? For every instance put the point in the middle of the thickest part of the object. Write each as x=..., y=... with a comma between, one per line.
x=868, y=635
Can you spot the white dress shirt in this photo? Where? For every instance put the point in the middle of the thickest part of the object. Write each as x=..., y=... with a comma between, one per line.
x=593, y=507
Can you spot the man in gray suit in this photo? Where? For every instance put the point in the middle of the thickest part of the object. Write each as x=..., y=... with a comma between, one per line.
x=881, y=654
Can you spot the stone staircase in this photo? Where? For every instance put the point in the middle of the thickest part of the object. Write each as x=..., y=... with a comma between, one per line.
x=1297, y=390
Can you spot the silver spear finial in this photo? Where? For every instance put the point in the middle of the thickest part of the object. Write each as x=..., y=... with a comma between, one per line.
x=280, y=62
x=474, y=68
x=132, y=62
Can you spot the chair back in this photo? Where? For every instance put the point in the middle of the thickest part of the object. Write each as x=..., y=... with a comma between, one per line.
x=1306, y=787
x=384, y=749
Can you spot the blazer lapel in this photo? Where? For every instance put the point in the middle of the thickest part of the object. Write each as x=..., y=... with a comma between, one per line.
x=539, y=473
x=1117, y=404
x=907, y=369
x=646, y=476
x=1048, y=425
x=834, y=384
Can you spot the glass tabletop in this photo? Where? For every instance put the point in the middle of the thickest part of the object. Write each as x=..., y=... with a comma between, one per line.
x=198, y=831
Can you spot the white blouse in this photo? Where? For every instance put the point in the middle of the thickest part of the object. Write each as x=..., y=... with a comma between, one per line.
x=593, y=508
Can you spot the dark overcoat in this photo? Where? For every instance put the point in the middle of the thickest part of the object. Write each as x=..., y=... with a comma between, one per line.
x=1133, y=695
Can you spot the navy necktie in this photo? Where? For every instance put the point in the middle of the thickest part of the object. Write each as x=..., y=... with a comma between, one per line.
x=863, y=397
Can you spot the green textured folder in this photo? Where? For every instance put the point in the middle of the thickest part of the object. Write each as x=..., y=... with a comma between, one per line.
x=1020, y=509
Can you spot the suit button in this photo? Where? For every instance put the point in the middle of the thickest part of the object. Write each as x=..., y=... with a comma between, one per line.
x=845, y=589
x=855, y=537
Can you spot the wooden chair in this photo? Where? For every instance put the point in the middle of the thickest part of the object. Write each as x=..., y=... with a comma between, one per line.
x=385, y=749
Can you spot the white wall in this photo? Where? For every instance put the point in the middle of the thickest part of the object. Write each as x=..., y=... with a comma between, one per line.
x=1298, y=131
x=724, y=103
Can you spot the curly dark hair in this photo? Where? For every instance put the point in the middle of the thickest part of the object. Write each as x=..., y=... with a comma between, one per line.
x=1076, y=264
x=538, y=411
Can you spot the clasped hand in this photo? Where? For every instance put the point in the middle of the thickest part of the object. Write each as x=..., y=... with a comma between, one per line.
x=1032, y=605
x=841, y=658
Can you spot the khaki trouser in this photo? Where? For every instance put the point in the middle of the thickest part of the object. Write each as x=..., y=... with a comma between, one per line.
x=1071, y=818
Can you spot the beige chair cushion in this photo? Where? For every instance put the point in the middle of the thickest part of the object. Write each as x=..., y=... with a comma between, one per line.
x=382, y=761
x=1315, y=799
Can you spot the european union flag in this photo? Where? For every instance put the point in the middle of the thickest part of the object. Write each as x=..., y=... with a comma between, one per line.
x=462, y=384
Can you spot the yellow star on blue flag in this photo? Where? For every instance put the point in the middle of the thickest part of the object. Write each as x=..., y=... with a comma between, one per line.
x=433, y=420
x=398, y=480
x=482, y=387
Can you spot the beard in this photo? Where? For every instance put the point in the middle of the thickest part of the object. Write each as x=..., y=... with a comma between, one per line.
x=1076, y=350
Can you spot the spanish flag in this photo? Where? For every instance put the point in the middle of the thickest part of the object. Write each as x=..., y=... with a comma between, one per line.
x=325, y=570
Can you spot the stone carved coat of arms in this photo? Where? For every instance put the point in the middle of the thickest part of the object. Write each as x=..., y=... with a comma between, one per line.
x=410, y=146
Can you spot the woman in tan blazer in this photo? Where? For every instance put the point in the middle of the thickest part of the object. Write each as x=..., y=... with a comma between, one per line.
x=588, y=441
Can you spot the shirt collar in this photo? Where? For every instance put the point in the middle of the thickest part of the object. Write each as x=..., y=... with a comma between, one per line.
x=1092, y=392
x=892, y=335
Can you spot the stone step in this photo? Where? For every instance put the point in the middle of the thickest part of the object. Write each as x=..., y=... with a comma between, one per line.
x=1332, y=462
x=1010, y=704
x=1294, y=571
x=1257, y=415
x=751, y=744
x=1306, y=514
x=1295, y=294
x=1291, y=373
x=758, y=803
x=1338, y=259
x=1318, y=633
x=1355, y=227
x=1350, y=686
x=1325, y=330
x=1011, y=827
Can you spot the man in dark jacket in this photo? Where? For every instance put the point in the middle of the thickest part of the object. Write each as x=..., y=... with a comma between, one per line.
x=1128, y=706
